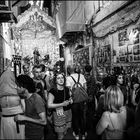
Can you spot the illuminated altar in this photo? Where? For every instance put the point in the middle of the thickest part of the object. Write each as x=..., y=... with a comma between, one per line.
x=35, y=30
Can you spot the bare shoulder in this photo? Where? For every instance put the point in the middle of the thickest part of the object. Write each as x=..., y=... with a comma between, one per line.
x=123, y=109
x=106, y=114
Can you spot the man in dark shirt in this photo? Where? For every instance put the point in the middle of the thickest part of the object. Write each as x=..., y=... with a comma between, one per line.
x=35, y=114
x=91, y=90
x=40, y=84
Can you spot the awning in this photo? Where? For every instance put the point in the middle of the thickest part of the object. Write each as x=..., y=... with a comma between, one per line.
x=70, y=17
x=75, y=18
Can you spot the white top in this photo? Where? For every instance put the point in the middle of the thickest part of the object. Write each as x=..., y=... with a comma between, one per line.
x=70, y=82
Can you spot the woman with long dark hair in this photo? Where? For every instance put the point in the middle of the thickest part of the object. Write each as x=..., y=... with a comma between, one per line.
x=59, y=100
x=121, y=84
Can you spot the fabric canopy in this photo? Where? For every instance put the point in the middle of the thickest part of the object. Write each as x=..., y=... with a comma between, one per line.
x=70, y=17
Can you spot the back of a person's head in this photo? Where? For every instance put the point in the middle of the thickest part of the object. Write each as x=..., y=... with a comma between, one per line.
x=77, y=69
x=26, y=82
x=135, y=83
x=35, y=67
x=88, y=68
x=69, y=70
x=43, y=68
x=114, y=99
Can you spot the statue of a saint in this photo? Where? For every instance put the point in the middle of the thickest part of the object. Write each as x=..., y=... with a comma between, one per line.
x=36, y=56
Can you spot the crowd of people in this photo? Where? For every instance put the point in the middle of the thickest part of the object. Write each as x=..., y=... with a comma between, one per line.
x=34, y=99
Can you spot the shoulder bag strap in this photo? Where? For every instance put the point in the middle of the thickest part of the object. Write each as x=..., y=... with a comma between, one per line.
x=45, y=77
x=114, y=127
x=78, y=77
x=111, y=121
x=77, y=81
x=73, y=79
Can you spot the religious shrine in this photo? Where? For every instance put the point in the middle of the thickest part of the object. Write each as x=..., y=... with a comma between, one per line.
x=34, y=37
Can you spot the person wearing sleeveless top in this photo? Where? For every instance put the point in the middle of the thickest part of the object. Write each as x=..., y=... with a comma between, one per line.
x=59, y=101
x=113, y=122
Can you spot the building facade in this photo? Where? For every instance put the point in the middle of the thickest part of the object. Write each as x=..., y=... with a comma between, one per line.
x=104, y=34
x=31, y=29
x=5, y=21
x=116, y=36
x=109, y=27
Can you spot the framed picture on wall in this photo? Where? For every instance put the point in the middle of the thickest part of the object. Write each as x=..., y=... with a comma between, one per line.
x=104, y=55
x=123, y=37
x=81, y=57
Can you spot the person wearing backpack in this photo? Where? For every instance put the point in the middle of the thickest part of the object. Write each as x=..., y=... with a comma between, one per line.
x=78, y=108
x=41, y=88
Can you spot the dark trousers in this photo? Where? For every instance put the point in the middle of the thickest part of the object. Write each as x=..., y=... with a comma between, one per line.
x=90, y=115
x=79, y=117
